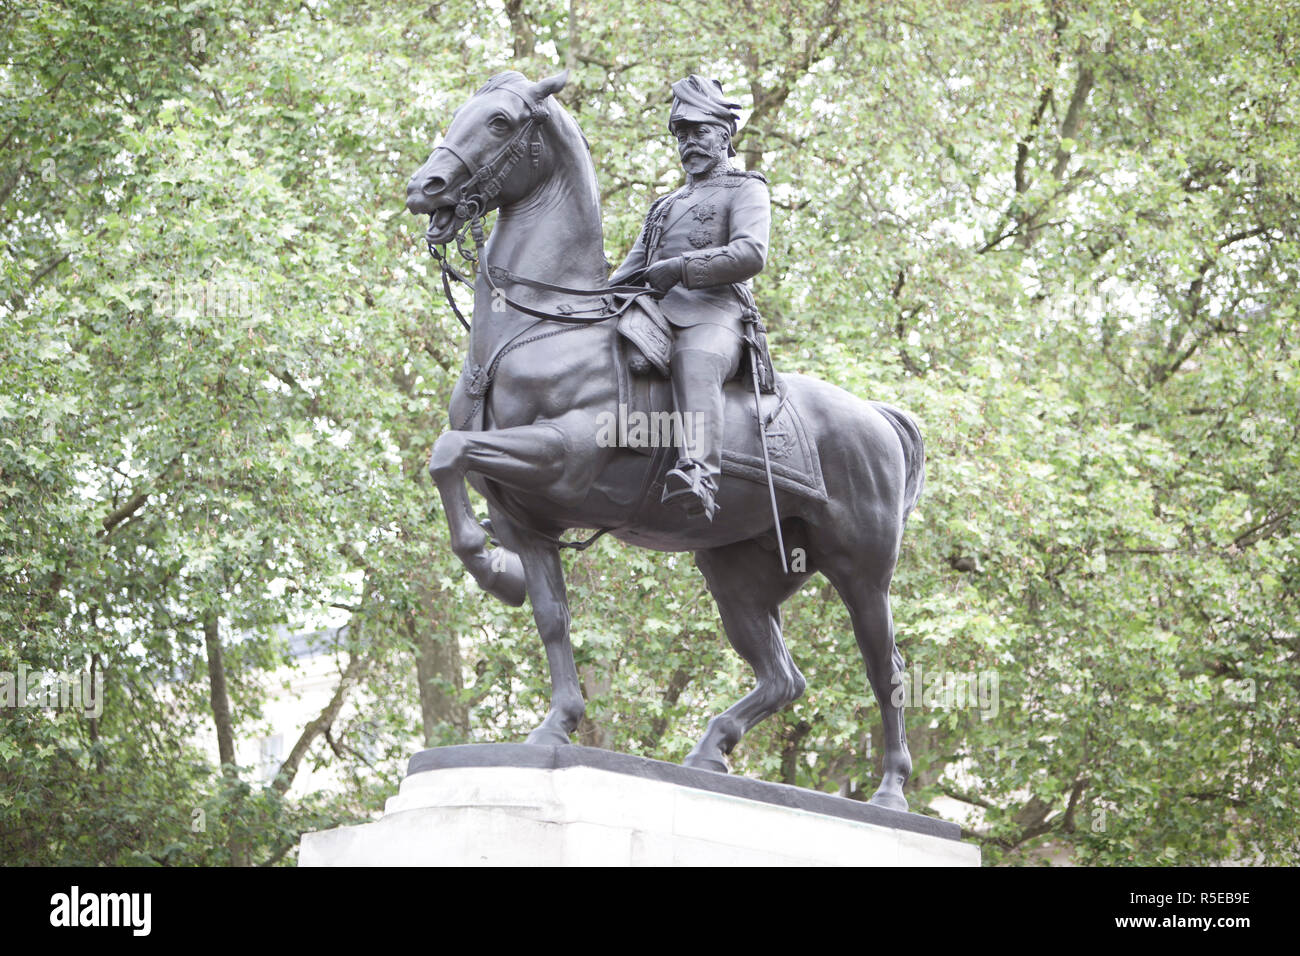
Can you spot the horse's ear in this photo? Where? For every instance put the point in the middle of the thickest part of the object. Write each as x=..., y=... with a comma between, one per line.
x=552, y=84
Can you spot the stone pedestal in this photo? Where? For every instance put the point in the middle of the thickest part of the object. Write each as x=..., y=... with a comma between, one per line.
x=516, y=805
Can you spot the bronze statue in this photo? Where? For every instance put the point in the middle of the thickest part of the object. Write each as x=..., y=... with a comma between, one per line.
x=547, y=366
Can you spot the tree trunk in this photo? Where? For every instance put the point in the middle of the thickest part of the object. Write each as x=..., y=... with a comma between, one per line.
x=443, y=712
x=520, y=29
x=225, y=728
x=218, y=693
x=592, y=731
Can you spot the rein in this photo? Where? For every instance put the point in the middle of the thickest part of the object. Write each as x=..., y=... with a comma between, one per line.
x=609, y=307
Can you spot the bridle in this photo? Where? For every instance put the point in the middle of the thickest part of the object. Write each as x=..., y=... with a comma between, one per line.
x=492, y=175
x=473, y=199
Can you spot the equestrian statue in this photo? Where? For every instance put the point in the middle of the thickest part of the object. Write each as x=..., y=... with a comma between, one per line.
x=766, y=478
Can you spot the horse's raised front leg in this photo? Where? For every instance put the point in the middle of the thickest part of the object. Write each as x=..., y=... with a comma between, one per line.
x=526, y=456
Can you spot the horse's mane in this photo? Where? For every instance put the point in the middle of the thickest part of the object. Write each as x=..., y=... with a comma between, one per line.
x=501, y=79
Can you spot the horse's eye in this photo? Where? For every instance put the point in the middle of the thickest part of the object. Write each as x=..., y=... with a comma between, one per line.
x=499, y=123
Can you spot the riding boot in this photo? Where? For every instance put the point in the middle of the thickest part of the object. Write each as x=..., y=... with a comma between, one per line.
x=697, y=378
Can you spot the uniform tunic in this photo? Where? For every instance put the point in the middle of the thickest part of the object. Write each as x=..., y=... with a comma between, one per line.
x=720, y=228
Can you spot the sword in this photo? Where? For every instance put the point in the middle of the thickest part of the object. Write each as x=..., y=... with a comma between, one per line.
x=751, y=314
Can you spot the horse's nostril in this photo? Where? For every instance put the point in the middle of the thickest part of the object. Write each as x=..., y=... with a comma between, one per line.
x=434, y=185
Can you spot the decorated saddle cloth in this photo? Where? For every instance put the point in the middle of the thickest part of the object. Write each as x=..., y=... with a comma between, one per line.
x=645, y=424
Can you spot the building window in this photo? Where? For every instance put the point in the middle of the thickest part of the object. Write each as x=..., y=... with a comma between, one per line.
x=270, y=756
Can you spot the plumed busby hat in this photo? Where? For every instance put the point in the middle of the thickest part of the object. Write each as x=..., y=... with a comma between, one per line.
x=697, y=100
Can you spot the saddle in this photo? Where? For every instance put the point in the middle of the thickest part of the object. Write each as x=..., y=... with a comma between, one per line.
x=646, y=403
x=650, y=340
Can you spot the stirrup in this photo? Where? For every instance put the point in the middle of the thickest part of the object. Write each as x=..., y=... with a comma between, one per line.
x=696, y=492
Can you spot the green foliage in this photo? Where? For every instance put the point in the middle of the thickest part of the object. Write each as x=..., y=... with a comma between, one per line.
x=1063, y=235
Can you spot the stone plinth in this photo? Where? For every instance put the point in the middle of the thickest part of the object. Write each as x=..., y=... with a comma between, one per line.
x=516, y=805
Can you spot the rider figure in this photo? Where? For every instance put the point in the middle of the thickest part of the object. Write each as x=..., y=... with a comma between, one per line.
x=699, y=245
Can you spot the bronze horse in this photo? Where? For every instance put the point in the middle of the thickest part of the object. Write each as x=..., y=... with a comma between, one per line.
x=526, y=412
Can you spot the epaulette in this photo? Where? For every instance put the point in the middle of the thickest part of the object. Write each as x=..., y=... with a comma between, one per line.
x=660, y=201
x=748, y=174
x=655, y=207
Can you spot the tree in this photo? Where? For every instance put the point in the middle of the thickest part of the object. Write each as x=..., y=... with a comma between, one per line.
x=1063, y=235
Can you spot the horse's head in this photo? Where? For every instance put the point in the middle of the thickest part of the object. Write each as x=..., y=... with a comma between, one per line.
x=490, y=157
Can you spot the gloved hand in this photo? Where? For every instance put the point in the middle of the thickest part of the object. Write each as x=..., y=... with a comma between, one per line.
x=665, y=274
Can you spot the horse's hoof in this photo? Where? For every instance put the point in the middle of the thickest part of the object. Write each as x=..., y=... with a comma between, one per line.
x=548, y=737
x=890, y=801
x=696, y=762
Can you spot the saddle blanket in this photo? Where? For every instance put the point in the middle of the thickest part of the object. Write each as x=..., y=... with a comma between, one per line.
x=645, y=414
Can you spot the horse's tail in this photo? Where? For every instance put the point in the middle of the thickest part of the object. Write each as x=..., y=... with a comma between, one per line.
x=913, y=449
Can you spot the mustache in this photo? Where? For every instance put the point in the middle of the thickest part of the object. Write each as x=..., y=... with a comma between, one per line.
x=695, y=151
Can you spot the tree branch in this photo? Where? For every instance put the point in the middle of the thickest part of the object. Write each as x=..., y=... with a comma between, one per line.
x=124, y=512
x=1073, y=119
x=289, y=769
